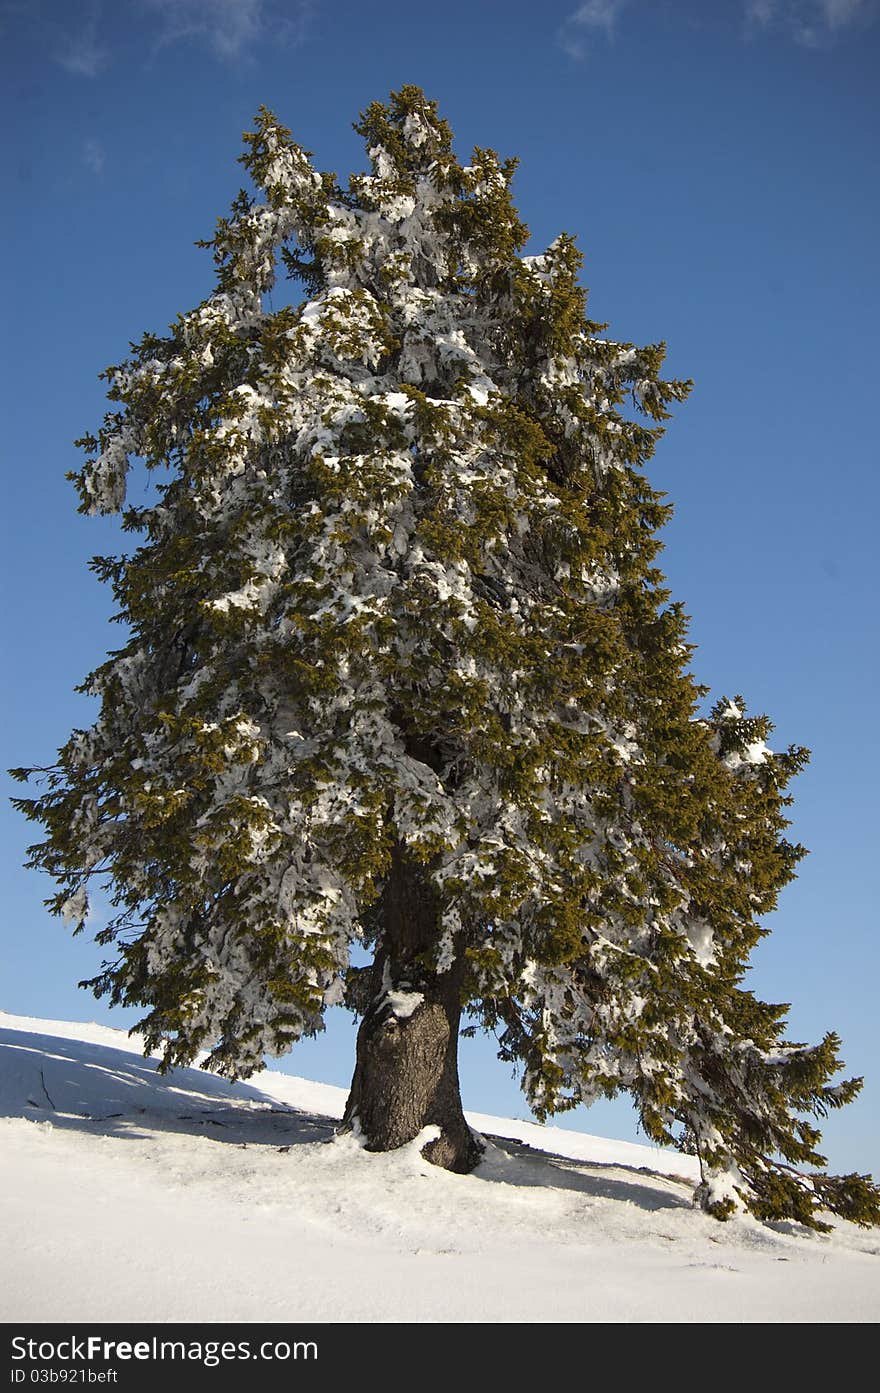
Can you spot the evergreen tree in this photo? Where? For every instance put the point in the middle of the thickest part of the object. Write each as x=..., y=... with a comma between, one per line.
x=402, y=674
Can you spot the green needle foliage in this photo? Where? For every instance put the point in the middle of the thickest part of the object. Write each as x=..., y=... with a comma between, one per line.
x=399, y=590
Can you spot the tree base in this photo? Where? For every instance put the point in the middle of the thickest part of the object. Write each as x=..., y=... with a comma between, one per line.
x=406, y=1075
x=405, y=1079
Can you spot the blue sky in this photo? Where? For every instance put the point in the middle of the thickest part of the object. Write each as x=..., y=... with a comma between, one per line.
x=718, y=165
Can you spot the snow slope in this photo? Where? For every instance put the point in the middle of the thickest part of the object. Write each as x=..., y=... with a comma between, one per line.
x=126, y=1196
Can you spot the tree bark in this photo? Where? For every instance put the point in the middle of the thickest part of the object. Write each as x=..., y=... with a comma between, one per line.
x=406, y=1073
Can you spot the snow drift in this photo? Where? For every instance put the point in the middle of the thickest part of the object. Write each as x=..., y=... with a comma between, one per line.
x=127, y=1195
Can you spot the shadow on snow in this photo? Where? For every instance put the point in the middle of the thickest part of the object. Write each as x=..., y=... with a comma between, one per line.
x=103, y=1091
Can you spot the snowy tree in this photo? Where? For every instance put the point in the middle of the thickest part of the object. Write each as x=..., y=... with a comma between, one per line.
x=402, y=677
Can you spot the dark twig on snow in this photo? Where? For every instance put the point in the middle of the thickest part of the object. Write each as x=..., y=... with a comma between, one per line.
x=46, y=1091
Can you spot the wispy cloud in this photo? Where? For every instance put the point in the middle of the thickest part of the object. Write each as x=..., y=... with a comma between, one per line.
x=84, y=37
x=93, y=157
x=809, y=22
x=760, y=13
x=591, y=20
x=228, y=28
x=79, y=50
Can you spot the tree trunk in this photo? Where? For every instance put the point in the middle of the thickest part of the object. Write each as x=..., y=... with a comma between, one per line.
x=406, y=1074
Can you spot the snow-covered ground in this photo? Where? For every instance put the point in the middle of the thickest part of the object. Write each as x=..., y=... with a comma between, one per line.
x=127, y=1196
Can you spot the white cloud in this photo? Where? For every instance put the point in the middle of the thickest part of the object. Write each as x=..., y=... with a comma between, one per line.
x=93, y=156
x=77, y=38
x=840, y=12
x=592, y=18
x=761, y=12
x=810, y=22
x=79, y=51
x=229, y=28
